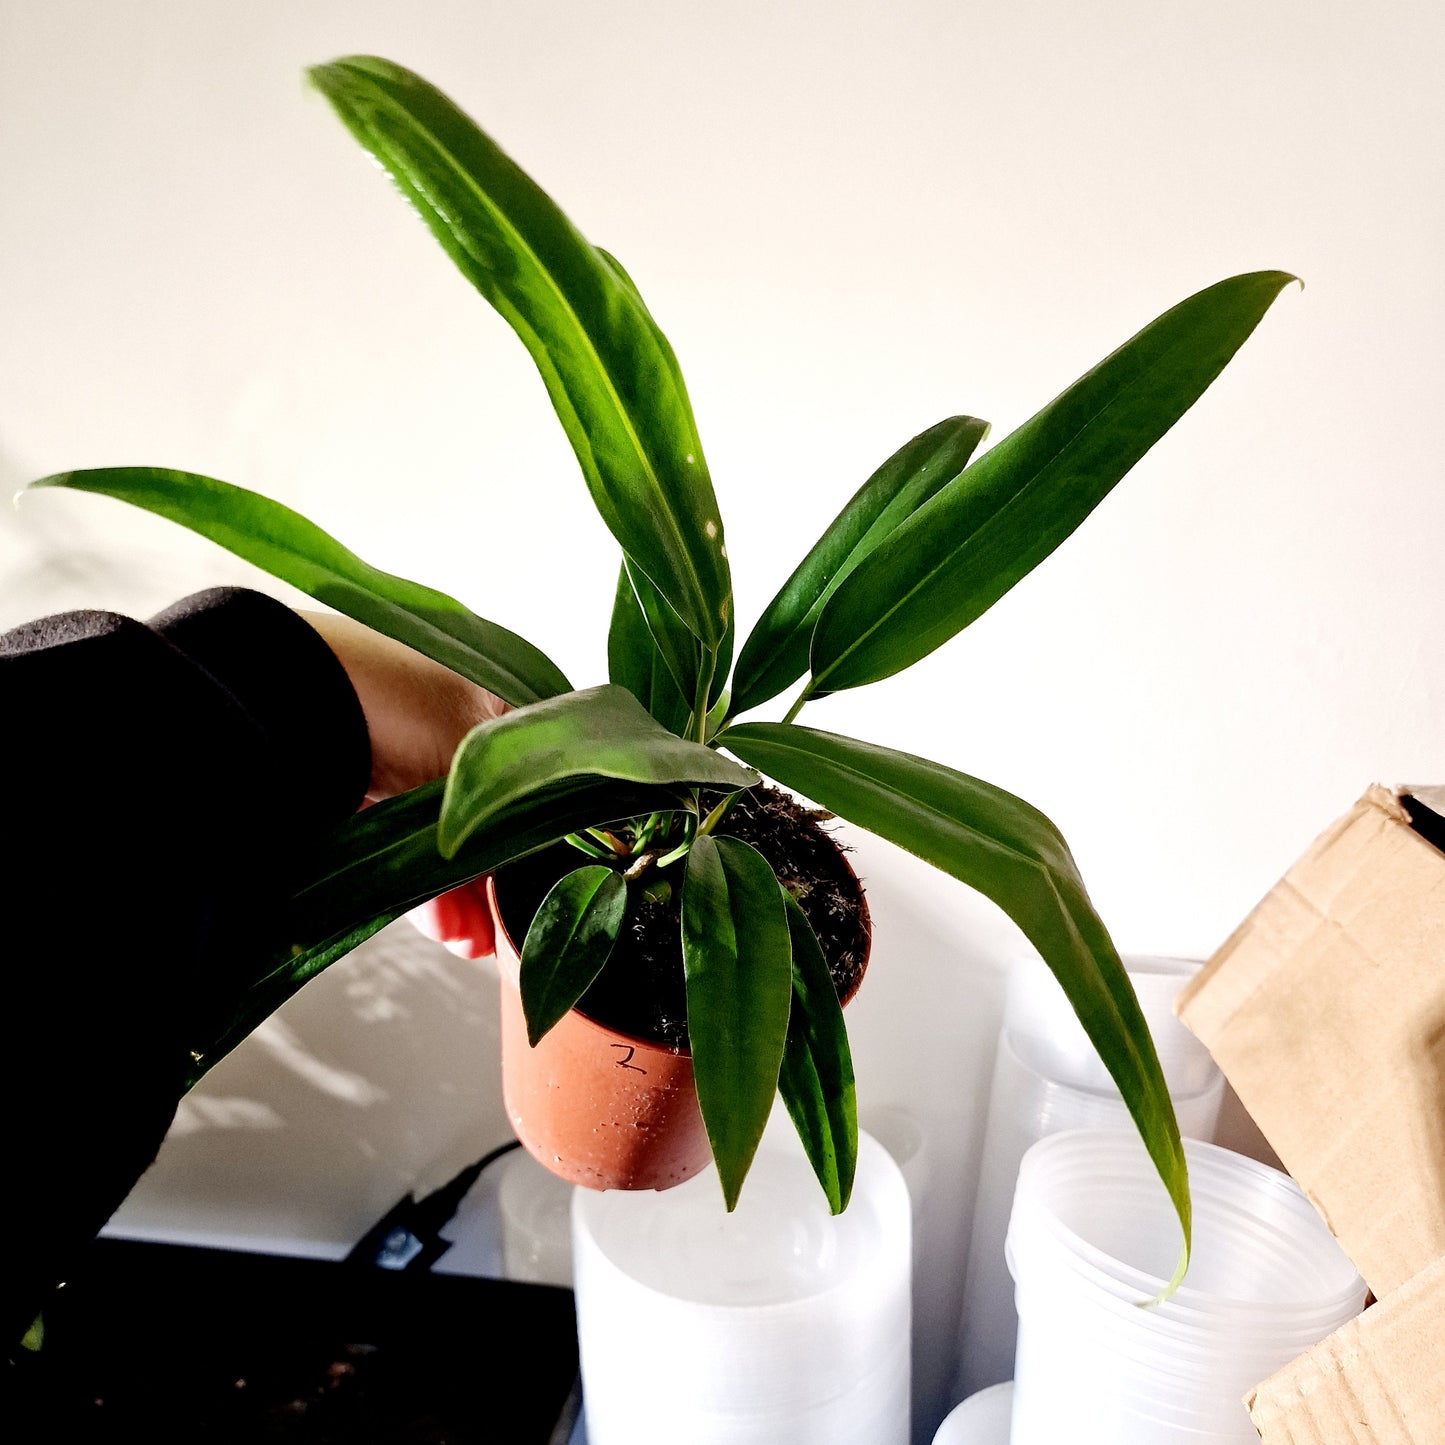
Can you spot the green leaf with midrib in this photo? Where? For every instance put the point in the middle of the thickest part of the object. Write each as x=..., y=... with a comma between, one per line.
x=612, y=378
x=1011, y=853
x=282, y=542
x=967, y=546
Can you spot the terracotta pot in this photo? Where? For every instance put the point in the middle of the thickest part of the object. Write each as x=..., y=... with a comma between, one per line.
x=600, y=1108
x=596, y=1107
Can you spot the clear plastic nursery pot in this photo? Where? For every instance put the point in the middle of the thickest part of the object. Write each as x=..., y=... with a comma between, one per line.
x=1048, y=1078
x=596, y=1106
x=778, y=1322
x=1091, y=1240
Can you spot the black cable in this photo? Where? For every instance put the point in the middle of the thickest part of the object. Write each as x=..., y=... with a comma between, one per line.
x=408, y=1235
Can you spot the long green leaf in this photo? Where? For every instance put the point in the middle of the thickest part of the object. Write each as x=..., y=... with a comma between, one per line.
x=681, y=653
x=382, y=862
x=258, y=1002
x=679, y=650
x=776, y=652
x=673, y=642
x=1012, y=854
x=286, y=545
x=738, y=963
x=634, y=662
x=816, y=1081
x=602, y=732
x=664, y=614
x=961, y=551
x=568, y=943
x=614, y=382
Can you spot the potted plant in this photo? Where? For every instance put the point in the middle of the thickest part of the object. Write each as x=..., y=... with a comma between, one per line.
x=642, y=782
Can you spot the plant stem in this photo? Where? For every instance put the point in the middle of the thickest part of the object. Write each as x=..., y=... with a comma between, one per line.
x=689, y=833
x=643, y=863
x=587, y=846
x=708, y=666
x=798, y=702
x=717, y=815
x=644, y=835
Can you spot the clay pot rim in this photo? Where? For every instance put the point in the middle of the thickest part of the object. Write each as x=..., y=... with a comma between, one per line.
x=641, y=1041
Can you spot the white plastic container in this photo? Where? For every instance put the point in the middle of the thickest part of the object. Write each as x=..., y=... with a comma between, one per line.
x=1093, y=1238
x=1048, y=1077
x=983, y=1419
x=777, y=1322
x=1049, y=1035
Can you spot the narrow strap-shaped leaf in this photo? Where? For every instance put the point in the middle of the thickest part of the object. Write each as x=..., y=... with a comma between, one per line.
x=602, y=732
x=816, y=1081
x=681, y=653
x=737, y=957
x=672, y=638
x=382, y=862
x=634, y=662
x=614, y=382
x=386, y=856
x=568, y=943
x=1012, y=854
x=264, y=997
x=961, y=551
x=776, y=653
x=286, y=545
x=679, y=650
x=629, y=643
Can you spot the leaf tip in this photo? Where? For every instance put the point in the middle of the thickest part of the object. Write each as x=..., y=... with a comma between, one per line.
x=1175, y=1280
x=322, y=78
x=330, y=77
x=1277, y=280
x=55, y=479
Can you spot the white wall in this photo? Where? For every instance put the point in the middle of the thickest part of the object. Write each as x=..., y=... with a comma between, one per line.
x=852, y=219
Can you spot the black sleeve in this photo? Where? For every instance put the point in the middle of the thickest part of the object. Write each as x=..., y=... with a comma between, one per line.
x=159, y=782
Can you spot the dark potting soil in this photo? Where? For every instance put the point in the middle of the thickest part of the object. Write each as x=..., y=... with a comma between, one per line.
x=641, y=991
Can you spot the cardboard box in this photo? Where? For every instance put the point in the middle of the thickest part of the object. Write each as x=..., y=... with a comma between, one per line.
x=1326, y=1011
x=1379, y=1379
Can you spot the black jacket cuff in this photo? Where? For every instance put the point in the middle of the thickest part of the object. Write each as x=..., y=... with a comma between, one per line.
x=281, y=673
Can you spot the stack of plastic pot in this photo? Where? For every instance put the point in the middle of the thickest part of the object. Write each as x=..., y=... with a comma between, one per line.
x=777, y=1322
x=985, y=1418
x=1092, y=1238
x=1047, y=1078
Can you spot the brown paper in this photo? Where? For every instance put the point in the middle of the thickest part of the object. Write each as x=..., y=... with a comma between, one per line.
x=1380, y=1379
x=1326, y=1012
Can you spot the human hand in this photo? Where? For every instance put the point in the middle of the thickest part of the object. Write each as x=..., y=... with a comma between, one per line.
x=417, y=711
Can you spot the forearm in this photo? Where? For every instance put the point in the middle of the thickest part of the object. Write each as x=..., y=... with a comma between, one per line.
x=156, y=780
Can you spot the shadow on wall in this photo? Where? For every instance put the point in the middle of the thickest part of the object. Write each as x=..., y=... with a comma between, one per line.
x=43, y=568
x=56, y=556
x=379, y=1077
